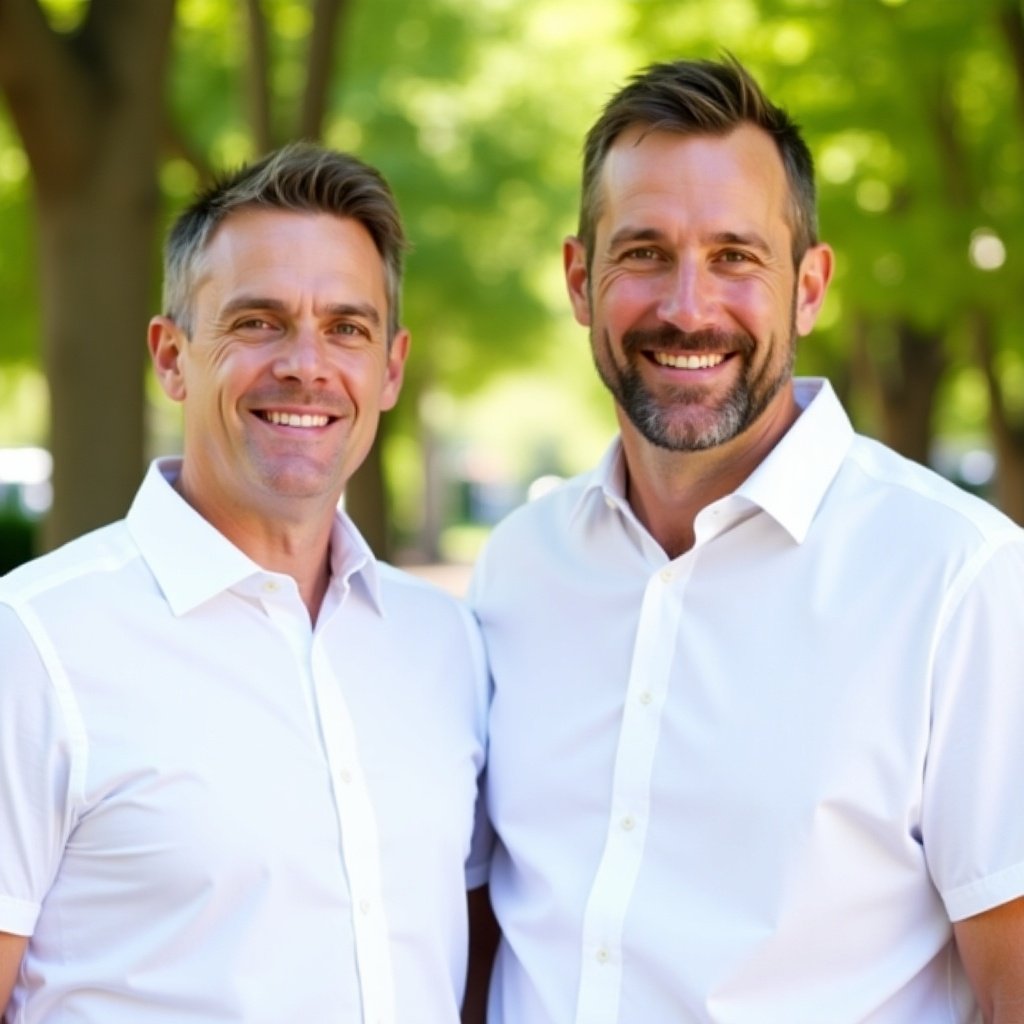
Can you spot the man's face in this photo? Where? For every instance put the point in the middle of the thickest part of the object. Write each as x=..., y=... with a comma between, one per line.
x=288, y=368
x=692, y=300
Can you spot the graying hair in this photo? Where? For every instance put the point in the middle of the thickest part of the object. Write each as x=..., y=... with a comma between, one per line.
x=699, y=97
x=300, y=177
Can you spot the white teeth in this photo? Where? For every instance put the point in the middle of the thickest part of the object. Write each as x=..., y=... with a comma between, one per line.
x=701, y=362
x=293, y=419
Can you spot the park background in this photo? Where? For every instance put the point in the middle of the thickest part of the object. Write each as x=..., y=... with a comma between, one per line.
x=115, y=111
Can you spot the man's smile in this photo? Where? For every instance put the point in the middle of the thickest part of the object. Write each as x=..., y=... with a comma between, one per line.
x=293, y=419
x=690, y=361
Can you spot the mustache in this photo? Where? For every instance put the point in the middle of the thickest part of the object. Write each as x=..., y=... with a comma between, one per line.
x=323, y=401
x=668, y=338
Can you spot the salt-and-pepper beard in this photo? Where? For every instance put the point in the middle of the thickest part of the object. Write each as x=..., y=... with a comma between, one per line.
x=741, y=407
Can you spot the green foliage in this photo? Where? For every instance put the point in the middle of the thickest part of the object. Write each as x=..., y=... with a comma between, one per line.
x=17, y=541
x=18, y=537
x=476, y=113
x=19, y=339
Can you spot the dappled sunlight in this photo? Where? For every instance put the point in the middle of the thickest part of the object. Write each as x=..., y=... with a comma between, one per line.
x=792, y=42
x=24, y=406
x=476, y=115
x=987, y=251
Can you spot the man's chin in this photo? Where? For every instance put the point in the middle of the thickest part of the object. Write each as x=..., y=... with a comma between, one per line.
x=300, y=481
x=690, y=430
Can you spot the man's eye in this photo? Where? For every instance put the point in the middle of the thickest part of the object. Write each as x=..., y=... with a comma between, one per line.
x=254, y=323
x=734, y=256
x=641, y=253
x=350, y=330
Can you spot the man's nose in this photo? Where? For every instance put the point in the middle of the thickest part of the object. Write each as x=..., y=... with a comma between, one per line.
x=690, y=297
x=303, y=355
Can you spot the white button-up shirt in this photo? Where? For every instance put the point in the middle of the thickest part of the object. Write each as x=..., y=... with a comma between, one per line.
x=210, y=810
x=754, y=783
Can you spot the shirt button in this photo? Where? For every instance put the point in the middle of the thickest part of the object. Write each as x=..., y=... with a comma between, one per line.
x=646, y=697
x=602, y=956
x=271, y=586
x=345, y=775
x=609, y=501
x=627, y=823
x=364, y=906
x=666, y=575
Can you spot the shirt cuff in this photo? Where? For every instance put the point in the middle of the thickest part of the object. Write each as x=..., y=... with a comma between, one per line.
x=18, y=917
x=985, y=893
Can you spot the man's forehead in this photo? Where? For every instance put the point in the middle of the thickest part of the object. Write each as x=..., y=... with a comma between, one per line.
x=284, y=255
x=738, y=173
x=649, y=146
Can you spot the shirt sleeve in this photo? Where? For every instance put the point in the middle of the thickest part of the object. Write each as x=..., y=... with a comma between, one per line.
x=35, y=775
x=973, y=809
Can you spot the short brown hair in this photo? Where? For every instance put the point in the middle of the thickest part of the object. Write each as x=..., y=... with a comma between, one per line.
x=300, y=177
x=699, y=97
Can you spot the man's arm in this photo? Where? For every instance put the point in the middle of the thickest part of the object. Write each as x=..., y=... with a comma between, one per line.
x=483, y=941
x=12, y=949
x=991, y=947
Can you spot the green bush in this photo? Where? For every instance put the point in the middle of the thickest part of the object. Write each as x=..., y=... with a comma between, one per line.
x=17, y=539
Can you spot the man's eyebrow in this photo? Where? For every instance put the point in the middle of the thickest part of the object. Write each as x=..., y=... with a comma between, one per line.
x=254, y=303
x=752, y=240
x=634, y=234
x=627, y=235
x=366, y=310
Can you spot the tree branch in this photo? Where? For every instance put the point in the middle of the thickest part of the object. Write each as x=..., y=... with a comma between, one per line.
x=45, y=88
x=1011, y=21
x=323, y=41
x=947, y=139
x=258, y=77
x=174, y=143
x=129, y=43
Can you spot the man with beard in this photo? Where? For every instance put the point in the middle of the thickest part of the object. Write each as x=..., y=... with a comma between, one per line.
x=754, y=748
x=239, y=757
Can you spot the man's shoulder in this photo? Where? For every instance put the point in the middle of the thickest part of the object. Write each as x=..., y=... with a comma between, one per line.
x=433, y=626
x=921, y=497
x=407, y=593
x=553, y=511
x=72, y=564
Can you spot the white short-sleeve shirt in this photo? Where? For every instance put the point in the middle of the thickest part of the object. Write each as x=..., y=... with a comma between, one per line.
x=757, y=782
x=212, y=811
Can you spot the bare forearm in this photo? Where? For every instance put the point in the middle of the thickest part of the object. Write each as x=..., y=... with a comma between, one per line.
x=12, y=949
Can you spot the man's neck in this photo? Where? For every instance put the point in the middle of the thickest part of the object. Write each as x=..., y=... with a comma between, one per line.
x=668, y=489
x=296, y=546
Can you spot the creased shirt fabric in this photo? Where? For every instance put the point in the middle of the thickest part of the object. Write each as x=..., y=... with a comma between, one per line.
x=754, y=783
x=213, y=811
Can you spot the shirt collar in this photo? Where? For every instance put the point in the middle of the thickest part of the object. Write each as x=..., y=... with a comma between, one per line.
x=789, y=485
x=606, y=483
x=352, y=559
x=192, y=561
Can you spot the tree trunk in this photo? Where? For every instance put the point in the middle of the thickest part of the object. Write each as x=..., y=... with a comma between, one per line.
x=1007, y=436
x=903, y=367
x=96, y=259
x=908, y=392
x=366, y=500
x=88, y=107
x=1009, y=485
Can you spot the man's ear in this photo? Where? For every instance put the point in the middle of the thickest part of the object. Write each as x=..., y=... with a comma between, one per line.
x=167, y=343
x=812, y=280
x=577, y=279
x=394, y=372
